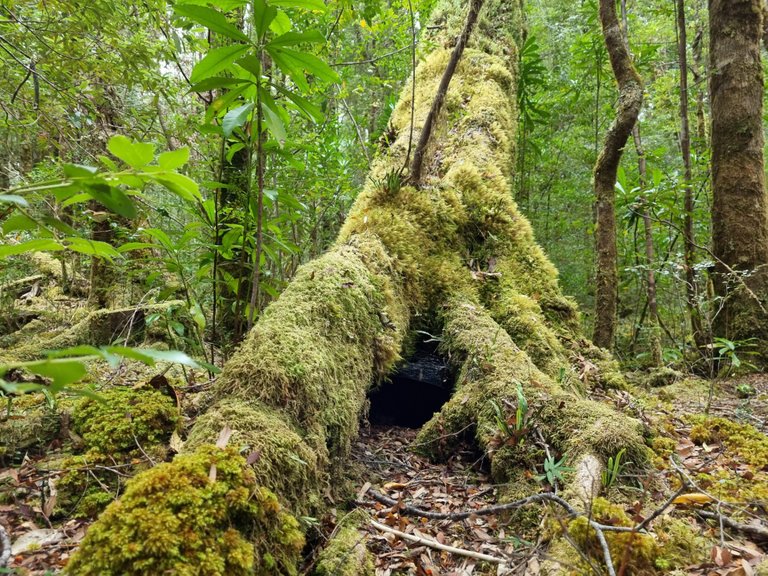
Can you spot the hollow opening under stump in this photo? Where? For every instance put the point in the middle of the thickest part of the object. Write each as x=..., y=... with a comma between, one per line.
x=414, y=392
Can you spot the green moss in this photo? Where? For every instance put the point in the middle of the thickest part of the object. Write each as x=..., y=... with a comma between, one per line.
x=744, y=439
x=286, y=463
x=27, y=429
x=674, y=544
x=346, y=554
x=661, y=377
x=176, y=519
x=123, y=419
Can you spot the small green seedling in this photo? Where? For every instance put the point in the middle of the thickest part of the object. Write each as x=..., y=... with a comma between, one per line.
x=553, y=470
x=614, y=468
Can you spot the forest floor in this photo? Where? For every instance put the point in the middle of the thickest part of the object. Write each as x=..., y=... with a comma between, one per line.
x=727, y=462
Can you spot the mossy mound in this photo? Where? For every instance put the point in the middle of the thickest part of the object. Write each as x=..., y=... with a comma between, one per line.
x=200, y=514
x=285, y=463
x=28, y=430
x=125, y=419
x=346, y=553
x=674, y=544
x=744, y=439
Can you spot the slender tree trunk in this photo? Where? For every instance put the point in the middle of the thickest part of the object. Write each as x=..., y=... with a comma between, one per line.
x=740, y=203
x=650, y=275
x=630, y=101
x=691, y=292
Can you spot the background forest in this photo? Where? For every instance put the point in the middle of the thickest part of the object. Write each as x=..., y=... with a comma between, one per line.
x=71, y=83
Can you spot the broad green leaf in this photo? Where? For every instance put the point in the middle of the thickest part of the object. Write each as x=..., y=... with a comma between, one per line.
x=196, y=312
x=281, y=24
x=294, y=38
x=263, y=15
x=236, y=118
x=83, y=350
x=173, y=356
x=250, y=63
x=92, y=248
x=310, y=110
x=174, y=158
x=217, y=60
x=56, y=224
x=308, y=62
x=211, y=19
x=180, y=185
x=131, y=353
x=18, y=223
x=289, y=68
x=78, y=171
x=135, y=154
x=275, y=125
x=237, y=146
x=216, y=82
x=160, y=236
x=62, y=372
x=36, y=245
x=317, y=5
x=223, y=5
x=114, y=199
x=130, y=246
x=13, y=199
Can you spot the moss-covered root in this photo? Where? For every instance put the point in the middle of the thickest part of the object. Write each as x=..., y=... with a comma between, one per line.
x=313, y=354
x=491, y=368
x=346, y=553
x=200, y=514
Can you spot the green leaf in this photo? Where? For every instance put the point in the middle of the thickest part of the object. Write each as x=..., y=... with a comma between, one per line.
x=135, y=154
x=310, y=110
x=37, y=245
x=233, y=149
x=180, y=185
x=275, y=125
x=211, y=19
x=216, y=82
x=174, y=158
x=113, y=199
x=317, y=5
x=13, y=199
x=92, y=248
x=263, y=14
x=173, y=356
x=130, y=246
x=79, y=171
x=18, y=223
x=236, y=118
x=308, y=62
x=294, y=38
x=62, y=372
x=250, y=63
x=217, y=60
x=281, y=24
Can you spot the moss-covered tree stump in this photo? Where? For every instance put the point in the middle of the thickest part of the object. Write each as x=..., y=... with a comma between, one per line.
x=455, y=257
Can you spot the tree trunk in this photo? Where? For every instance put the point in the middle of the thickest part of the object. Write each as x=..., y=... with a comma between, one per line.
x=455, y=258
x=691, y=292
x=630, y=101
x=740, y=204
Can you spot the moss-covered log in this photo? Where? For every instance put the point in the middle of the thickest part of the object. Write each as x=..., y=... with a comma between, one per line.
x=454, y=256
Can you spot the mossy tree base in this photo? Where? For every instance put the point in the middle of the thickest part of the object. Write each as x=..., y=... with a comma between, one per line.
x=455, y=256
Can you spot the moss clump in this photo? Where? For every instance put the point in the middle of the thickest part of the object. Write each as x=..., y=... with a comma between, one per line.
x=663, y=376
x=27, y=429
x=744, y=439
x=674, y=543
x=176, y=519
x=123, y=419
x=345, y=553
x=286, y=462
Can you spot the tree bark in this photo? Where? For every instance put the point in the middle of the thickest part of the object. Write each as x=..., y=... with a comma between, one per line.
x=630, y=102
x=740, y=204
x=456, y=258
x=691, y=292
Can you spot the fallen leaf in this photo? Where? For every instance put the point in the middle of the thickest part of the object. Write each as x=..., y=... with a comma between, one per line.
x=721, y=556
x=692, y=499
